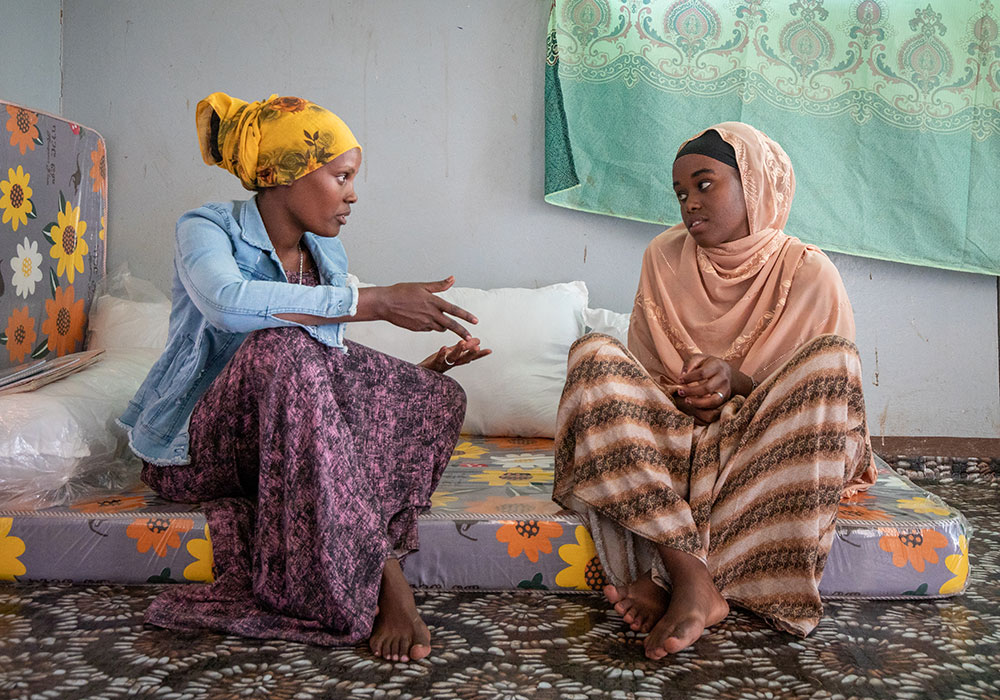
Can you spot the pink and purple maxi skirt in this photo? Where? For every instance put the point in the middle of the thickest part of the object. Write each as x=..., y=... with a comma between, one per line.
x=312, y=466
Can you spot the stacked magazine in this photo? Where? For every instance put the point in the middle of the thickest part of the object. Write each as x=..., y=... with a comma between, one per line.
x=31, y=375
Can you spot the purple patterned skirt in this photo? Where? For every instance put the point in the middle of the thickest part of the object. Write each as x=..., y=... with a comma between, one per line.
x=311, y=466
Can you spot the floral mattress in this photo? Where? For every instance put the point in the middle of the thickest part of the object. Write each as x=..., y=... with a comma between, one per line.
x=493, y=525
x=53, y=211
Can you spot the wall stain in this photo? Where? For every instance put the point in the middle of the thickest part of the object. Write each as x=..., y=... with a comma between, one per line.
x=882, y=419
x=584, y=255
x=917, y=331
x=875, y=379
x=514, y=117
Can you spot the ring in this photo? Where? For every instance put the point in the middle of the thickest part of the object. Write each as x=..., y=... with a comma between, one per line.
x=447, y=362
x=722, y=397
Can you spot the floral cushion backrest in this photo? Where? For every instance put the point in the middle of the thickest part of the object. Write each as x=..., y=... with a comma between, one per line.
x=53, y=248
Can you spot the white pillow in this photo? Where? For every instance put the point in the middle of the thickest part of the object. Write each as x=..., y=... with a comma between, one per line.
x=61, y=439
x=116, y=322
x=516, y=390
x=608, y=322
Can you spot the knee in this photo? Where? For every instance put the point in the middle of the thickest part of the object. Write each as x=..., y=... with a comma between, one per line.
x=594, y=341
x=275, y=352
x=596, y=346
x=830, y=343
x=454, y=396
x=274, y=338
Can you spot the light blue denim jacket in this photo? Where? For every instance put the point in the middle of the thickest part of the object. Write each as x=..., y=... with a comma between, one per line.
x=228, y=281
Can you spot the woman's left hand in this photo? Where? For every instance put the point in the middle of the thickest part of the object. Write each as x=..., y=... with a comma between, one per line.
x=706, y=382
x=461, y=353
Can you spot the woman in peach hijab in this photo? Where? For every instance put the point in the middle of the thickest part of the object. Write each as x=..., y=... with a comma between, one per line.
x=708, y=458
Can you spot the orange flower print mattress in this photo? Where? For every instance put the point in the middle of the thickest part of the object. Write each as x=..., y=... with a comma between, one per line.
x=53, y=213
x=492, y=525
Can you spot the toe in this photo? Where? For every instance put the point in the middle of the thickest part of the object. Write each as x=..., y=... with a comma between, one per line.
x=404, y=649
x=421, y=640
x=662, y=632
x=656, y=653
x=684, y=635
x=612, y=594
x=629, y=610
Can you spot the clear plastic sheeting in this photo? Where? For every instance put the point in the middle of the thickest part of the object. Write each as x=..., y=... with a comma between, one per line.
x=128, y=313
x=60, y=442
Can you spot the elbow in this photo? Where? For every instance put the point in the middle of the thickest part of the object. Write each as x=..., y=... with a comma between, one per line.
x=229, y=321
x=224, y=312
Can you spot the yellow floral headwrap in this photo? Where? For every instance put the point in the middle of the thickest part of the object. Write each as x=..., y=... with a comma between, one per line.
x=269, y=143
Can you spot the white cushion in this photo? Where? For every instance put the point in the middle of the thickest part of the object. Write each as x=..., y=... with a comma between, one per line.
x=124, y=323
x=61, y=439
x=608, y=322
x=516, y=390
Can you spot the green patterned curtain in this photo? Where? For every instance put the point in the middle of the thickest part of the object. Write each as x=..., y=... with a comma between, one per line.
x=890, y=112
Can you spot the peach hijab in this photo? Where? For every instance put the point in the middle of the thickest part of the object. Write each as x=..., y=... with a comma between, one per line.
x=751, y=302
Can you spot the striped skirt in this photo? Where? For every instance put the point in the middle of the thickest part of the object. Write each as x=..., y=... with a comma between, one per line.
x=753, y=495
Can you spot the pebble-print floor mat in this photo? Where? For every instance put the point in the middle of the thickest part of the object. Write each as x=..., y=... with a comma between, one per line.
x=62, y=641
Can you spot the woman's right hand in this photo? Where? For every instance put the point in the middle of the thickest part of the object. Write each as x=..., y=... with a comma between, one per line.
x=414, y=306
x=702, y=416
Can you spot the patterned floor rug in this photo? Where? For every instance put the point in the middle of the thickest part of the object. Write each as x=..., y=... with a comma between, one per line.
x=63, y=641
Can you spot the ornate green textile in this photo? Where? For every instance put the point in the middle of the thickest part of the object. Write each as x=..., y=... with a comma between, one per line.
x=890, y=112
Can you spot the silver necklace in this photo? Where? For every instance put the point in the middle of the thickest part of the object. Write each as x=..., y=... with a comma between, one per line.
x=300, y=262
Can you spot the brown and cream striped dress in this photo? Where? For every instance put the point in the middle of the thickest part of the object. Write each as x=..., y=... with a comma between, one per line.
x=754, y=495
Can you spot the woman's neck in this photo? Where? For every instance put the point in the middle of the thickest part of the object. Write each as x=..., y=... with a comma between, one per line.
x=281, y=227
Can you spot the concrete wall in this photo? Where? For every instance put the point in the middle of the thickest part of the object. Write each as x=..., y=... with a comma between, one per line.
x=31, y=53
x=446, y=98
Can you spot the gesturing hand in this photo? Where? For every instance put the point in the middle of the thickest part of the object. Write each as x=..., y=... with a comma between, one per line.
x=461, y=353
x=415, y=306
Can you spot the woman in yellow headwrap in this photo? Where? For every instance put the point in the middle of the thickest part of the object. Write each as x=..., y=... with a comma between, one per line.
x=312, y=456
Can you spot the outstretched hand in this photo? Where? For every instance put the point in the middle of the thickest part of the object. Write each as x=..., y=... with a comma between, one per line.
x=461, y=353
x=416, y=307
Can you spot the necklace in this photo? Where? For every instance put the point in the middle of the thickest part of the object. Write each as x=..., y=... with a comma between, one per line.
x=300, y=262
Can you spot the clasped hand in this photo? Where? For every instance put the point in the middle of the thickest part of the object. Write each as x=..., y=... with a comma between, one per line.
x=704, y=386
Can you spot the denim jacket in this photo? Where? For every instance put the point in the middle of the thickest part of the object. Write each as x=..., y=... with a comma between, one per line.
x=228, y=281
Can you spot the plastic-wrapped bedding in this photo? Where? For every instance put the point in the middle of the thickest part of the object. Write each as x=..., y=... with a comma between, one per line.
x=60, y=442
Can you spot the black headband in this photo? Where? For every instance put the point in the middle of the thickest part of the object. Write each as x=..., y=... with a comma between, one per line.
x=710, y=144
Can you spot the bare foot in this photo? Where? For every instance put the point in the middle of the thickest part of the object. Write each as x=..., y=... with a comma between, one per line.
x=695, y=604
x=398, y=633
x=640, y=603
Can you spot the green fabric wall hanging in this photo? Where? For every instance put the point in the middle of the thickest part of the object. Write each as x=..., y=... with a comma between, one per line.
x=889, y=111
